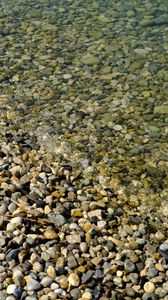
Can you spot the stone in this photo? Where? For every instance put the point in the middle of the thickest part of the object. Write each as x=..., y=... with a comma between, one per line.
x=51, y=272
x=73, y=239
x=18, y=277
x=11, y=289
x=161, y=109
x=95, y=213
x=32, y=284
x=87, y=296
x=83, y=247
x=75, y=293
x=63, y=282
x=46, y=281
x=129, y=266
x=141, y=51
x=87, y=276
x=149, y=287
x=72, y=263
x=74, y=279
x=50, y=234
x=90, y=59
x=37, y=267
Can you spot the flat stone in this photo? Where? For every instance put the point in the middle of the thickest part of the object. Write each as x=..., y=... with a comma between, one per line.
x=90, y=59
x=95, y=213
x=161, y=109
x=73, y=239
x=141, y=51
x=87, y=276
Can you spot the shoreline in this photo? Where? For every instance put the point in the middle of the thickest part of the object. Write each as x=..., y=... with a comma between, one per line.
x=63, y=237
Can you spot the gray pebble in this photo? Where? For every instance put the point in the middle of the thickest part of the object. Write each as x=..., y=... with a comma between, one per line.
x=75, y=293
x=46, y=281
x=152, y=272
x=129, y=266
x=149, y=296
x=32, y=285
x=87, y=276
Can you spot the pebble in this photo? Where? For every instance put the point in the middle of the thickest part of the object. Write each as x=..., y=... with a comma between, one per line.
x=74, y=279
x=18, y=277
x=83, y=157
x=87, y=276
x=129, y=266
x=73, y=239
x=37, y=267
x=75, y=293
x=86, y=296
x=46, y=281
x=63, y=282
x=51, y=272
x=11, y=288
x=83, y=247
x=149, y=287
x=32, y=284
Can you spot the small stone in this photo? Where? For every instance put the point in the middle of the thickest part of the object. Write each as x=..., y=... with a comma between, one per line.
x=59, y=292
x=129, y=266
x=86, y=296
x=83, y=247
x=51, y=272
x=149, y=287
x=18, y=277
x=90, y=59
x=32, y=284
x=141, y=51
x=11, y=289
x=16, y=221
x=46, y=281
x=37, y=267
x=87, y=276
x=73, y=279
x=117, y=127
x=161, y=109
x=75, y=293
x=63, y=282
x=50, y=234
x=72, y=263
x=12, y=254
x=159, y=267
x=73, y=239
x=164, y=247
x=67, y=76
x=96, y=260
x=95, y=213
x=152, y=272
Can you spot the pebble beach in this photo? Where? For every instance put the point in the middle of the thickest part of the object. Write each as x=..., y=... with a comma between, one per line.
x=83, y=150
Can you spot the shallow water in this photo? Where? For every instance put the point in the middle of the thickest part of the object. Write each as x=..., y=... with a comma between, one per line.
x=89, y=79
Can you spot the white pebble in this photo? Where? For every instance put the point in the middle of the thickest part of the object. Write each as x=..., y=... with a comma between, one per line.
x=11, y=289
